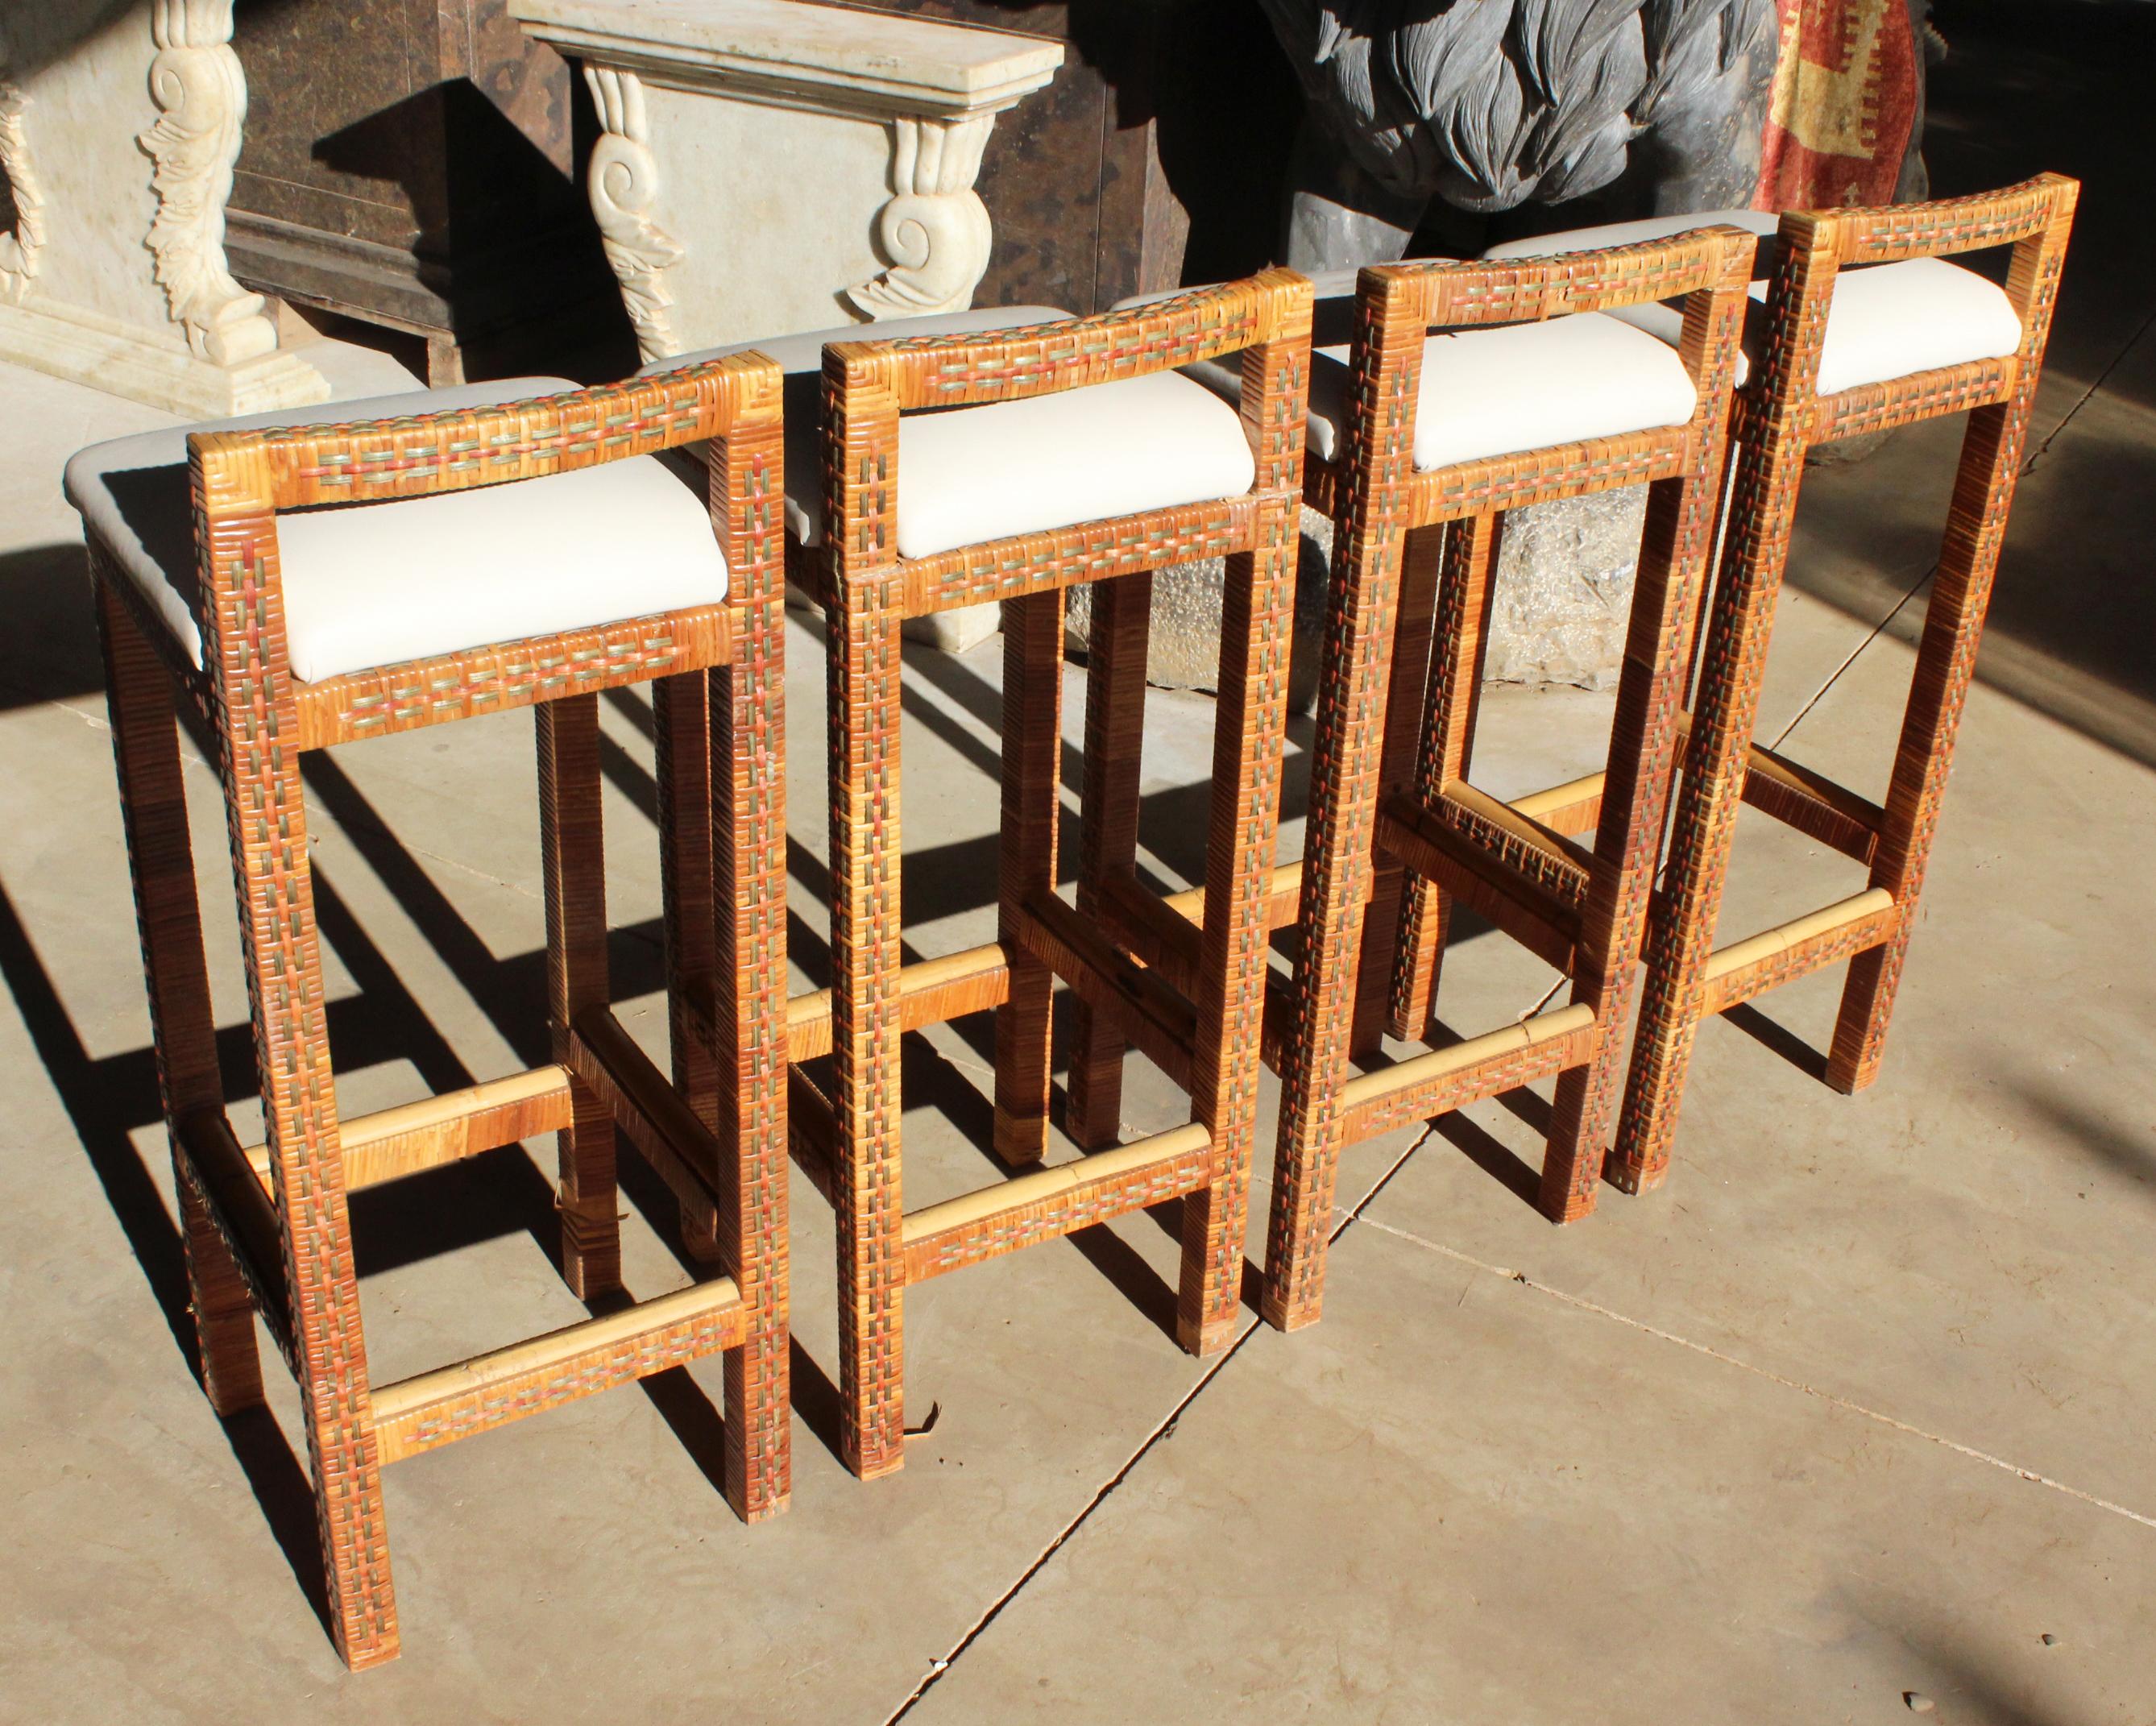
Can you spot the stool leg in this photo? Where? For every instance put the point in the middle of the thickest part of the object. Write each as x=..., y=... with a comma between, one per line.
x=1629, y=837
x=747, y=832
x=1396, y=768
x=1032, y=748
x=1946, y=659
x=1467, y=590
x=1724, y=702
x=153, y=806
x=572, y=859
x=1108, y=833
x=682, y=751
x=862, y=641
x=1346, y=756
x=1256, y=625
x=266, y=818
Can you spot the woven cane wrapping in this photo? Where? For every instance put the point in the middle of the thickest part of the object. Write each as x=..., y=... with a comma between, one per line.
x=868, y=589
x=294, y=1244
x=1782, y=415
x=1382, y=500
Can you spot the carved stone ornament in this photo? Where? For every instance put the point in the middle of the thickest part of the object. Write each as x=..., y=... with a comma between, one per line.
x=934, y=230
x=197, y=85
x=623, y=181
x=20, y=245
x=1490, y=103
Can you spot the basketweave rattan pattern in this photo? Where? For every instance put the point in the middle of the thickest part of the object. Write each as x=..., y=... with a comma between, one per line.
x=868, y=590
x=1365, y=818
x=1780, y=415
x=270, y=1230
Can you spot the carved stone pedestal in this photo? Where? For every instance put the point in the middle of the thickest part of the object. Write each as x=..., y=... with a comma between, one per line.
x=117, y=137
x=773, y=166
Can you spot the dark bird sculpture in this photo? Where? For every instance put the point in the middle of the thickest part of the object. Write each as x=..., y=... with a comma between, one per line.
x=1490, y=103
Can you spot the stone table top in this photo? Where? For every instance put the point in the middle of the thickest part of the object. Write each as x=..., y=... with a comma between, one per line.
x=792, y=51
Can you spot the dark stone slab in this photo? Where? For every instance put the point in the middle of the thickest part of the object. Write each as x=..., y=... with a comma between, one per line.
x=414, y=163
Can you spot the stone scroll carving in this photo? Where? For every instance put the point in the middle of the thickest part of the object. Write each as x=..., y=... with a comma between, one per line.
x=197, y=85
x=934, y=230
x=624, y=183
x=20, y=245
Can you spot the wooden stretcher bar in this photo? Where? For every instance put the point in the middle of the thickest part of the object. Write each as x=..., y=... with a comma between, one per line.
x=1160, y=1021
x=929, y=992
x=414, y=1136
x=1429, y=1085
x=244, y=1215
x=654, y=1115
x=1772, y=957
x=476, y=1396
x=1536, y=916
x=1029, y=1208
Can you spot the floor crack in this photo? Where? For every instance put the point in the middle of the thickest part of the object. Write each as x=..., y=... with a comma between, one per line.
x=1165, y=1428
x=1584, y=1305
x=2089, y=394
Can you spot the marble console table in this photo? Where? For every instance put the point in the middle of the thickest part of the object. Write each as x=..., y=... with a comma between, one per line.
x=774, y=165
x=118, y=132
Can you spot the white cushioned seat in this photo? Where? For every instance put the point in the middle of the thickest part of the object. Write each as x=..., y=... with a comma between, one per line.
x=972, y=474
x=801, y=358
x=1886, y=320
x=1495, y=392
x=375, y=584
x=1520, y=386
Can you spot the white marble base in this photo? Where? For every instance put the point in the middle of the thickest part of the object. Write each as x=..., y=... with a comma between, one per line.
x=150, y=366
x=955, y=631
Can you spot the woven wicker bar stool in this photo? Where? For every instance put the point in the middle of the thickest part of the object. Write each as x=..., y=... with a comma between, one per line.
x=1070, y=452
x=448, y=554
x=1865, y=326
x=1530, y=394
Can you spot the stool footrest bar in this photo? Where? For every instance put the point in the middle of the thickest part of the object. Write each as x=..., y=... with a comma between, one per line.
x=1534, y=914
x=489, y=1390
x=1573, y=807
x=1425, y=1086
x=1164, y=935
x=1153, y=1016
x=414, y=1136
x=1031, y=1207
x=1518, y=841
x=649, y=1112
x=929, y=992
x=1776, y=956
x=1282, y=899
x=1812, y=804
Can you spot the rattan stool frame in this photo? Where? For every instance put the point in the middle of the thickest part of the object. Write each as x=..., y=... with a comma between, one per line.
x=1380, y=808
x=267, y=1230
x=1780, y=416
x=1206, y=1036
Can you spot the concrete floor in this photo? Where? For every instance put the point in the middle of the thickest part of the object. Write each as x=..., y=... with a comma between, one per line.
x=1860, y=1404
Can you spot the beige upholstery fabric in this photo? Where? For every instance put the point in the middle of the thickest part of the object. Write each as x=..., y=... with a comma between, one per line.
x=801, y=358
x=1887, y=320
x=381, y=583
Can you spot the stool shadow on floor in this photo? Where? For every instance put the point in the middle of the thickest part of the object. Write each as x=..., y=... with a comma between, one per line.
x=1773, y=1035
x=49, y=650
x=108, y=1098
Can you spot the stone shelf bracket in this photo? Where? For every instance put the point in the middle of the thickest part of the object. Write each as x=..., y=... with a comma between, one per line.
x=625, y=181
x=935, y=230
x=773, y=166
